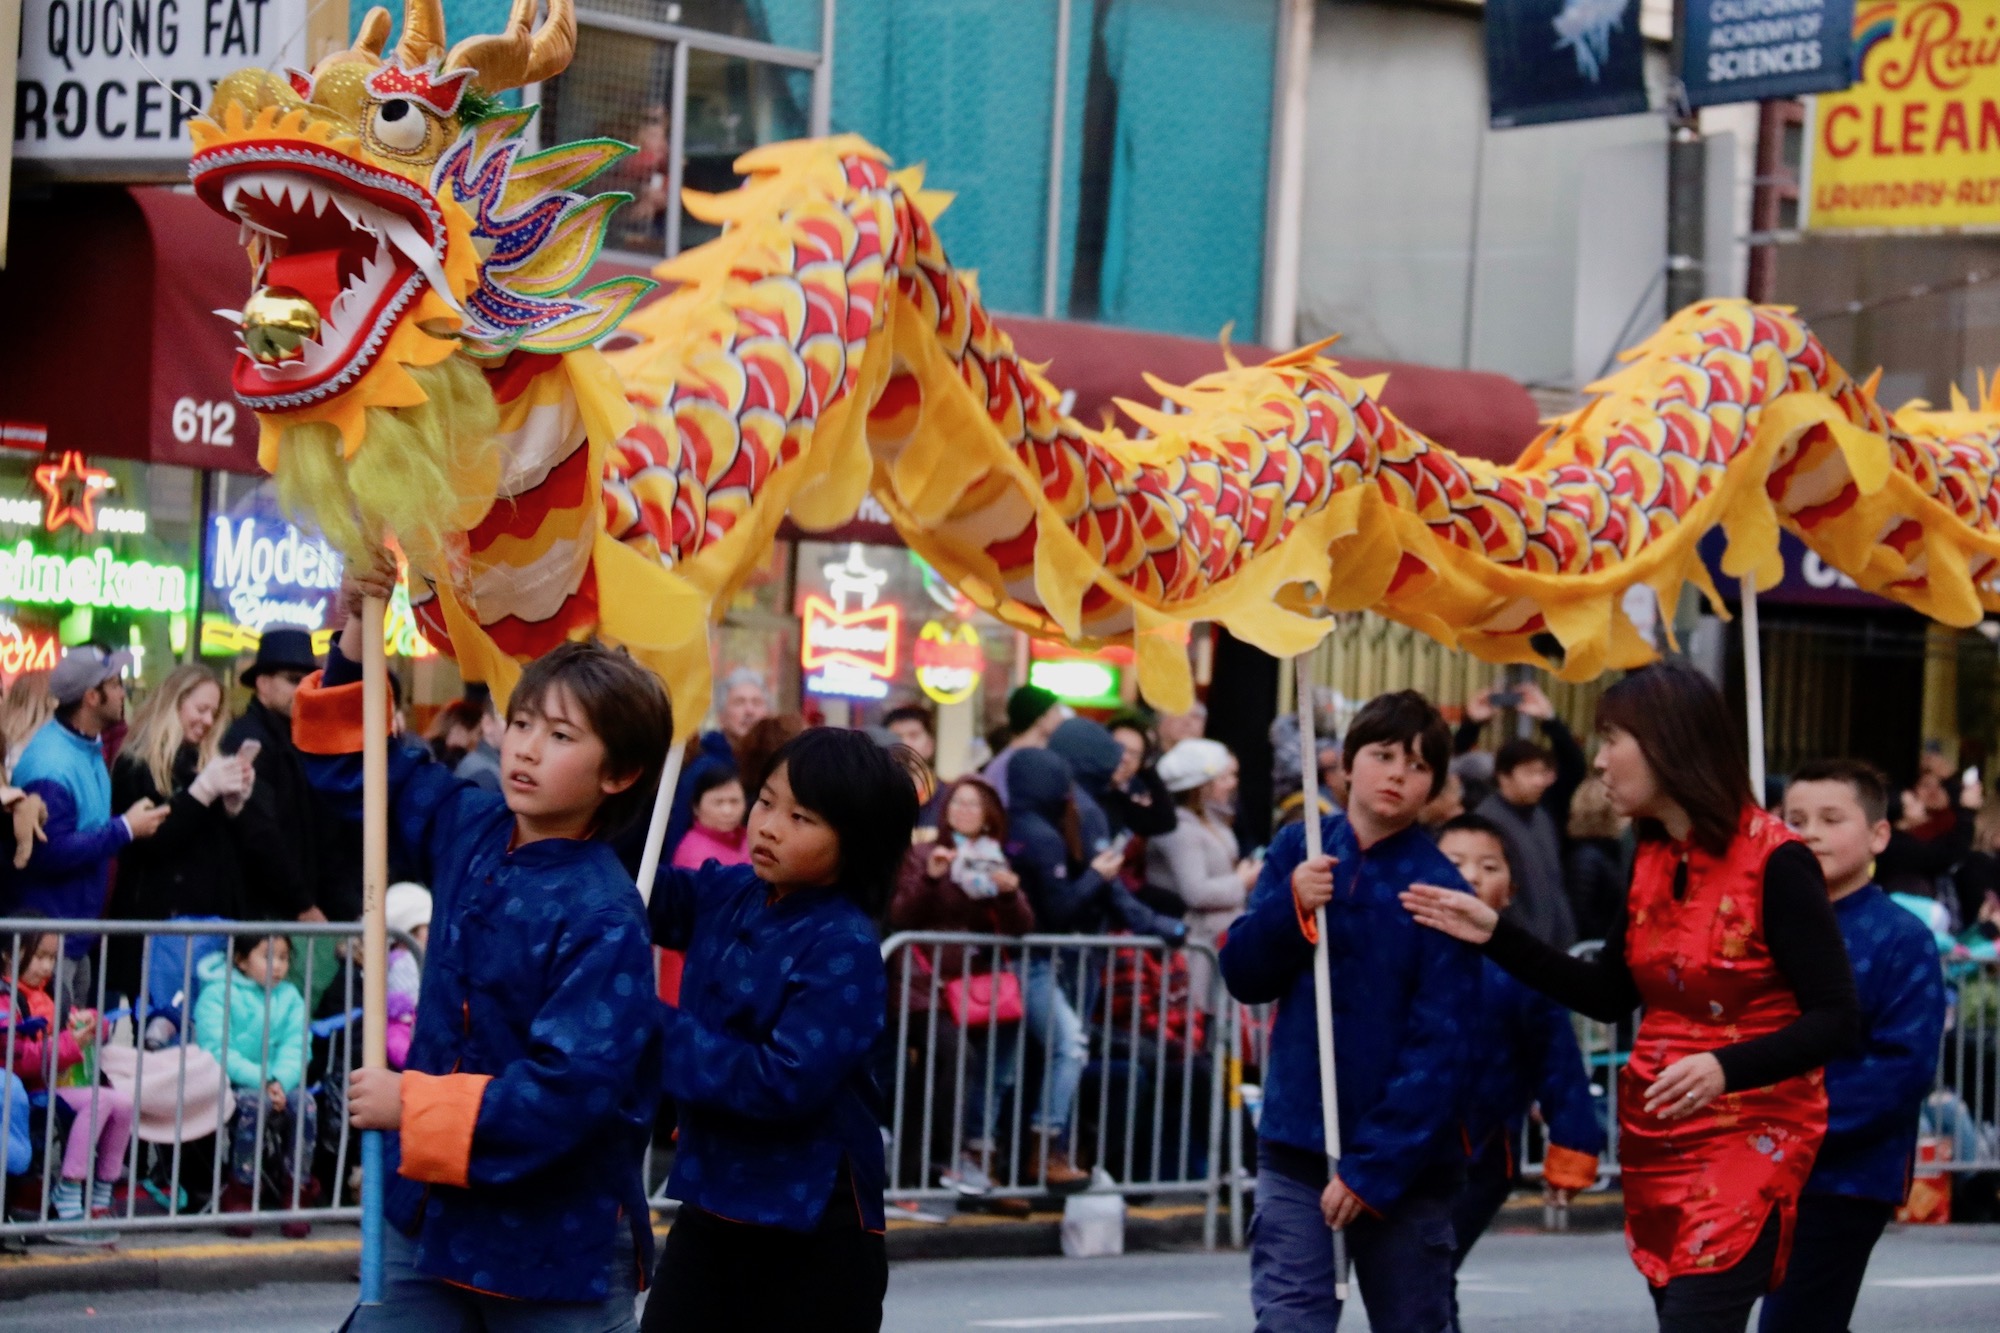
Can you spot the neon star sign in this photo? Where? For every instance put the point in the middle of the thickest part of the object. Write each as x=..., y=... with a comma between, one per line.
x=72, y=486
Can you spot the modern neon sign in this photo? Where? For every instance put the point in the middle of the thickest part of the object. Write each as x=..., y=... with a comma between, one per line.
x=286, y=578
x=99, y=579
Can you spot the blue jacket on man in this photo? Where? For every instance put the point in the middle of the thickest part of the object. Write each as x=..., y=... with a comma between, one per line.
x=767, y=1055
x=1403, y=998
x=70, y=874
x=1874, y=1100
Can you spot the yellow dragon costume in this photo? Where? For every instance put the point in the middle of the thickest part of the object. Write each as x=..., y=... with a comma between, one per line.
x=423, y=364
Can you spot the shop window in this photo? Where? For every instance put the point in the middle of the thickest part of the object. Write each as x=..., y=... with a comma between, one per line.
x=693, y=86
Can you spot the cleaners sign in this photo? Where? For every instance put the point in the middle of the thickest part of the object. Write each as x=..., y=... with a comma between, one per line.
x=85, y=93
x=1915, y=143
x=1747, y=50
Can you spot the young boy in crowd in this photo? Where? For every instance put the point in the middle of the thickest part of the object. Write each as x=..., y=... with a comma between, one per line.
x=515, y=1197
x=1841, y=808
x=1523, y=1053
x=1402, y=998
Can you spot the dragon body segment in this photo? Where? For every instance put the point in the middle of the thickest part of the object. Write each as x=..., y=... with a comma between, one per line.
x=425, y=365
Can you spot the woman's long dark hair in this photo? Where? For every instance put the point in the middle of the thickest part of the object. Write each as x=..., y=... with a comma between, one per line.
x=994, y=818
x=1692, y=744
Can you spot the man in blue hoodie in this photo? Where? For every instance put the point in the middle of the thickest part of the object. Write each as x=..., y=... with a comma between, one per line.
x=1402, y=999
x=1873, y=1101
x=63, y=763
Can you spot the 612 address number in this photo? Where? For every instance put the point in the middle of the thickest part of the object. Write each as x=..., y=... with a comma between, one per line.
x=211, y=423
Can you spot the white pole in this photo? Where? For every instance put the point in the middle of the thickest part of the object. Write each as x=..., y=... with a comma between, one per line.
x=1058, y=121
x=1753, y=686
x=1285, y=194
x=1329, y=1099
x=656, y=832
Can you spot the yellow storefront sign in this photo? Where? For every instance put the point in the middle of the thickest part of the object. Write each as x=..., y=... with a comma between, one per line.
x=1915, y=143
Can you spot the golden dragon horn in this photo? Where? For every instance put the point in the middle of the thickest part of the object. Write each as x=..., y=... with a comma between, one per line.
x=523, y=54
x=423, y=33
x=374, y=33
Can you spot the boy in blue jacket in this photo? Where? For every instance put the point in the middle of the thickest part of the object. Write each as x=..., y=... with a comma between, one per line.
x=1524, y=1054
x=525, y=1106
x=1841, y=808
x=1401, y=1002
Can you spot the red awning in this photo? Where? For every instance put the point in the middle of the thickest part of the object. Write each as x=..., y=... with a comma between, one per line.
x=110, y=344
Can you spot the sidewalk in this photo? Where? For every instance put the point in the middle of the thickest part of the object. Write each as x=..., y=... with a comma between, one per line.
x=204, y=1261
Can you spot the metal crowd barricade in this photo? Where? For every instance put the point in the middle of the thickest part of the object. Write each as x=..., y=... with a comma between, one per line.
x=973, y=1087
x=153, y=1170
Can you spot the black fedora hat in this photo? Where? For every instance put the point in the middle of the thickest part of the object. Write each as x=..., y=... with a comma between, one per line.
x=282, y=650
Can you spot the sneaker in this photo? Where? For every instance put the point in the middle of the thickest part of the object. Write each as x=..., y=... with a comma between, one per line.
x=295, y=1230
x=101, y=1240
x=967, y=1178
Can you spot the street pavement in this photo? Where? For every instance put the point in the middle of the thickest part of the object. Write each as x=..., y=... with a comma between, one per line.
x=1938, y=1279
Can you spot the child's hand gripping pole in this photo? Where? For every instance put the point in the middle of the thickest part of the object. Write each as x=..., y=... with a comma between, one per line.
x=374, y=922
x=1322, y=979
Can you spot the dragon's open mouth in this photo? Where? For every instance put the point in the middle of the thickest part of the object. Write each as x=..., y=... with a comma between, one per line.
x=356, y=243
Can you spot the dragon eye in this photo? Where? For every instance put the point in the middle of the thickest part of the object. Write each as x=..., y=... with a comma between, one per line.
x=399, y=125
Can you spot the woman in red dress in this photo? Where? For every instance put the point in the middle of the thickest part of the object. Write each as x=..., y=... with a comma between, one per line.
x=1729, y=946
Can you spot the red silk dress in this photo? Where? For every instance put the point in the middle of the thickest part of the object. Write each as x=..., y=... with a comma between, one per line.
x=1698, y=1191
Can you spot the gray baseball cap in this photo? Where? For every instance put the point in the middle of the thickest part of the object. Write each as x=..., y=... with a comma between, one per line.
x=83, y=670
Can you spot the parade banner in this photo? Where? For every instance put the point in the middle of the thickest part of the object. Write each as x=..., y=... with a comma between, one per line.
x=1550, y=60
x=1915, y=143
x=1748, y=50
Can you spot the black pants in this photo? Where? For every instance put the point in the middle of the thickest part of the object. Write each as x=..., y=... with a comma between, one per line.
x=1720, y=1302
x=1830, y=1252
x=1488, y=1182
x=717, y=1276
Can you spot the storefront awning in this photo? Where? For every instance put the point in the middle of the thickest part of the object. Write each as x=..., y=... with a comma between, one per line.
x=110, y=344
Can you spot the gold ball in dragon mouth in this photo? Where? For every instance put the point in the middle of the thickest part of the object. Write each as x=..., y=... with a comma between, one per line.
x=277, y=322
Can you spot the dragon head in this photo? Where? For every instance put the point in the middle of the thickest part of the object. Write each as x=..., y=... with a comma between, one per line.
x=395, y=224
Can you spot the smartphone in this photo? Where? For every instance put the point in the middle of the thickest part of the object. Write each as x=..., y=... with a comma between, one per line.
x=1971, y=778
x=1505, y=699
x=249, y=750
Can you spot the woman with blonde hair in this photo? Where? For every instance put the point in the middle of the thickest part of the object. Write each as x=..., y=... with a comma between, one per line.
x=191, y=867
x=1599, y=864
x=27, y=706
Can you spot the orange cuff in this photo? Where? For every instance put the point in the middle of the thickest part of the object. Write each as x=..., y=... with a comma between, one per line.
x=327, y=721
x=439, y=1111
x=1308, y=927
x=1568, y=1169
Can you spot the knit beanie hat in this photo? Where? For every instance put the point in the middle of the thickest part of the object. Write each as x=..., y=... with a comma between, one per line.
x=1026, y=705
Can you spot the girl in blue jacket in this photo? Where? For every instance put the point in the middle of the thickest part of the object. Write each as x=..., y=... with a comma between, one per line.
x=780, y=1169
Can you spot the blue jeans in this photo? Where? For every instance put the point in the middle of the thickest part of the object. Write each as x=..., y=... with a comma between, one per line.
x=1054, y=1026
x=414, y=1303
x=1403, y=1261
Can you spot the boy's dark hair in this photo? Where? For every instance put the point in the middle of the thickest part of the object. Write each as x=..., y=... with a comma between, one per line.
x=1472, y=823
x=242, y=946
x=866, y=793
x=1520, y=751
x=1870, y=786
x=623, y=704
x=916, y=713
x=1691, y=742
x=1403, y=718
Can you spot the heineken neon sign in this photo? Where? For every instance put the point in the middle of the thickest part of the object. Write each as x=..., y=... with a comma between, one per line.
x=34, y=578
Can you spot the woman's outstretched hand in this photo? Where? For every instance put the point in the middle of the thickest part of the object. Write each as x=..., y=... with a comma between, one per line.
x=1457, y=914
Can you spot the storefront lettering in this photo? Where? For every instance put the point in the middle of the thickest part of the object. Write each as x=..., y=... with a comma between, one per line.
x=37, y=579
x=853, y=651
